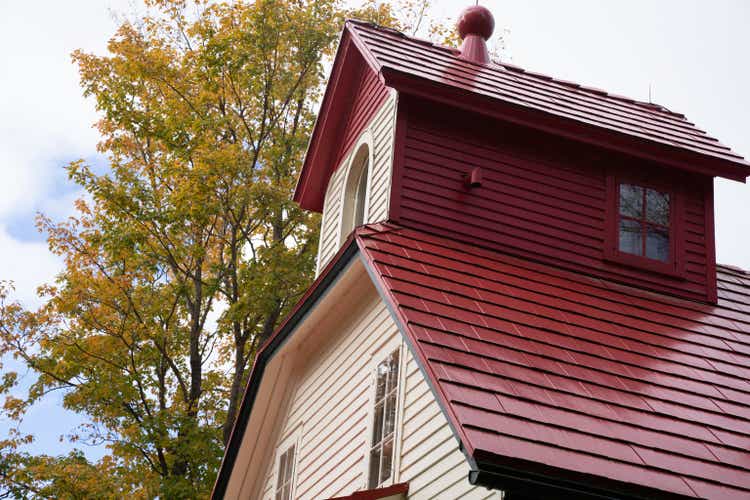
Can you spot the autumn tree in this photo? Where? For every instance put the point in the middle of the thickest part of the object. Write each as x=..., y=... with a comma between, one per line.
x=188, y=251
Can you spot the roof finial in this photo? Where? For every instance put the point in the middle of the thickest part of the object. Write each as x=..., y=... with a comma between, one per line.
x=475, y=25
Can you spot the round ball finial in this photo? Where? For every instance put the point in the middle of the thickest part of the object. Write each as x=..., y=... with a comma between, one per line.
x=476, y=20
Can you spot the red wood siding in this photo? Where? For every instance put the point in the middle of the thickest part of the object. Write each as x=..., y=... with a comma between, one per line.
x=542, y=197
x=367, y=98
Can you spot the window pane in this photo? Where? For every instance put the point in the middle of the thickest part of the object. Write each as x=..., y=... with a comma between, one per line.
x=381, y=382
x=377, y=424
x=286, y=471
x=393, y=371
x=390, y=415
x=359, y=202
x=631, y=240
x=385, y=471
x=282, y=470
x=384, y=420
x=374, y=481
x=657, y=244
x=657, y=207
x=289, y=464
x=631, y=201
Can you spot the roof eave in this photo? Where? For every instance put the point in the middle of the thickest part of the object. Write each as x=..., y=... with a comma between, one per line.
x=311, y=184
x=523, y=480
x=673, y=156
x=266, y=351
x=304, y=191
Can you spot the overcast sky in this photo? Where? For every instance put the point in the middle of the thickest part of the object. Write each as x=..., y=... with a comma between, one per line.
x=692, y=53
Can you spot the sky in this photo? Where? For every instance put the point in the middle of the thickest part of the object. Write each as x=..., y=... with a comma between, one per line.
x=692, y=54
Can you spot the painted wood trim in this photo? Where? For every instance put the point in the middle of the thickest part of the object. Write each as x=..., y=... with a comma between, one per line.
x=340, y=76
x=397, y=169
x=317, y=291
x=710, y=235
x=675, y=266
x=610, y=140
x=340, y=454
x=393, y=492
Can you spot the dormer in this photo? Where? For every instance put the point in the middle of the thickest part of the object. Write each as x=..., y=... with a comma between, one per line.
x=446, y=141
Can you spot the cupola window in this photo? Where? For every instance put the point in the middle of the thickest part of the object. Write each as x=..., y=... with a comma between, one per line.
x=643, y=218
x=354, y=211
x=643, y=230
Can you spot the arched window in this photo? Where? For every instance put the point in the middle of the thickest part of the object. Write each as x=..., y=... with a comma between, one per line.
x=354, y=211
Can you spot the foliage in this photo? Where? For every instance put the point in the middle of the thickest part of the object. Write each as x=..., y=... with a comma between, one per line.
x=189, y=249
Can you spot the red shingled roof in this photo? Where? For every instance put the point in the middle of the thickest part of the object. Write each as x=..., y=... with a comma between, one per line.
x=538, y=364
x=388, y=49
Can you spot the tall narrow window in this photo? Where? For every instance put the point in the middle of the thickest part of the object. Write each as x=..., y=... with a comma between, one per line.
x=354, y=210
x=643, y=222
x=360, y=197
x=384, y=421
x=286, y=475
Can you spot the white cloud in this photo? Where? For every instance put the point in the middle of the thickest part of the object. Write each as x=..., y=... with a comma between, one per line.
x=45, y=119
x=28, y=265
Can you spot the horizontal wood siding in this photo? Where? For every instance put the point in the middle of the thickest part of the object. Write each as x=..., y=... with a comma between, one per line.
x=329, y=230
x=541, y=197
x=381, y=128
x=431, y=461
x=329, y=409
x=328, y=415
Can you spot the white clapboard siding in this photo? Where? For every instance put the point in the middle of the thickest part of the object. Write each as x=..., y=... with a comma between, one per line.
x=330, y=408
x=329, y=229
x=431, y=461
x=328, y=414
x=381, y=129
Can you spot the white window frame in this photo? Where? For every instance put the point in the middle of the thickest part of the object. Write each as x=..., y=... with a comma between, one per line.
x=292, y=440
x=347, y=201
x=376, y=358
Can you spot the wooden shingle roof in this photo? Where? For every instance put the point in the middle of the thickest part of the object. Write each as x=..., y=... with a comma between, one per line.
x=541, y=366
x=399, y=57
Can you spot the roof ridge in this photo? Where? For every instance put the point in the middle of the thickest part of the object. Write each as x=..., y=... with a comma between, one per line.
x=596, y=90
x=730, y=267
x=652, y=106
x=394, y=31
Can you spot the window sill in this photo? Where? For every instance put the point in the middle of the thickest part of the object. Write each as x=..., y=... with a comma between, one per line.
x=671, y=269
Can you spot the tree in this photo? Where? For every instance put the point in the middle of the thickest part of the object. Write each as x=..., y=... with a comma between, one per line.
x=189, y=250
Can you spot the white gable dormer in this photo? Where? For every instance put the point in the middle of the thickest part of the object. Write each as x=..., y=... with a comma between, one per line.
x=359, y=189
